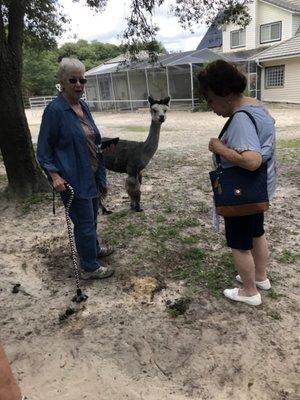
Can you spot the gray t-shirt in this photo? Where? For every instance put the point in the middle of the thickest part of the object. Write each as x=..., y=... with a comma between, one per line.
x=241, y=136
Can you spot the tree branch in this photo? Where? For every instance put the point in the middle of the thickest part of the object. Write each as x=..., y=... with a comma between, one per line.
x=2, y=29
x=16, y=25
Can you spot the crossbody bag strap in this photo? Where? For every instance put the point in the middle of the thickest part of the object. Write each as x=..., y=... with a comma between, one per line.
x=225, y=127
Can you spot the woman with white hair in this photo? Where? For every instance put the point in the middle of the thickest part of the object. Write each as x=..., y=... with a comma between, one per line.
x=69, y=152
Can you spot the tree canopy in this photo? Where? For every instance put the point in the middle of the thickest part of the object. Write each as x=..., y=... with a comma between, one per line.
x=40, y=65
x=140, y=26
x=189, y=12
x=38, y=24
x=40, y=61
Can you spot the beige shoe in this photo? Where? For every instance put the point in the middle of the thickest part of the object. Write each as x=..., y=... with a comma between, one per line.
x=100, y=273
x=264, y=285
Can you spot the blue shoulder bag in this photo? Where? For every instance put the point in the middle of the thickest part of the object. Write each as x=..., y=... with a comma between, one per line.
x=238, y=191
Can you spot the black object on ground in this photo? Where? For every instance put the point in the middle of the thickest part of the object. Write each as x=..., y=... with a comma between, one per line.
x=179, y=306
x=16, y=288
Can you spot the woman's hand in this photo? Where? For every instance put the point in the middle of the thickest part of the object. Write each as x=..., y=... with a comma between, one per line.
x=216, y=146
x=108, y=151
x=250, y=160
x=9, y=388
x=58, y=182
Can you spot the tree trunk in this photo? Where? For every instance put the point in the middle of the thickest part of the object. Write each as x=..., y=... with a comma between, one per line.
x=23, y=173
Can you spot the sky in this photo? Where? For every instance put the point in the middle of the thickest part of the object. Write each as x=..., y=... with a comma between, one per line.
x=108, y=26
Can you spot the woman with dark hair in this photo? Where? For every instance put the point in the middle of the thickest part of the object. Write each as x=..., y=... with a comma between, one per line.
x=222, y=85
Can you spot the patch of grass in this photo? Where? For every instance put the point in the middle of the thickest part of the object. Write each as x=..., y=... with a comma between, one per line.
x=173, y=313
x=136, y=259
x=118, y=216
x=275, y=315
x=187, y=222
x=196, y=255
x=182, y=273
x=142, y=216
x=273, y=295
x=220, y=275
x=192, y=239
x=110, y=237
x=160, y=219
x=135, y=128
x=132, y=230
x=287, y=158
x=288, y=143
x=163, y=232
x=35, y=199
x=199, y=267
x=287, y=257
x=121, y=227
x=203, y=208
x=168, y=209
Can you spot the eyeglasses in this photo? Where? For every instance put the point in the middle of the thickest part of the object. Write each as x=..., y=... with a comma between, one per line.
x=82, y=81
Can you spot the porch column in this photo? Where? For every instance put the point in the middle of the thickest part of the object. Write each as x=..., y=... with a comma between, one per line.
x=192, y=85
x=129, y=90
x=168, y=82
x=147, y=82
x=98, y=93
x=113, y=91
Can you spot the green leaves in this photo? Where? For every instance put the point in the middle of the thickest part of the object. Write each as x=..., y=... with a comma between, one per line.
x=220, y=12
x=40, y=65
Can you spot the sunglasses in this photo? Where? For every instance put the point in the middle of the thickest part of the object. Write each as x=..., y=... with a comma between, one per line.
x=80, y=80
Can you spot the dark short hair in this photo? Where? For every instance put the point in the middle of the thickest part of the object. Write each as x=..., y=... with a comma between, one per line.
x=222, y=78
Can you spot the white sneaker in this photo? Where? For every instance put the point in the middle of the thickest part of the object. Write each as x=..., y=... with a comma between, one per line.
x=233, y=294
x=264, y=285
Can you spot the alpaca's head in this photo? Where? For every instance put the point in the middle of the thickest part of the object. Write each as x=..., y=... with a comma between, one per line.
x=159, y=108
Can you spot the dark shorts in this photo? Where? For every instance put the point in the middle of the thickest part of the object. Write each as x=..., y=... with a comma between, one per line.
x=240, y=231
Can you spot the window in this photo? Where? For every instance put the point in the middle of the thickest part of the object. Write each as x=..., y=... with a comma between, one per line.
x=274, y=77
x=270, y=32
x=238, y=38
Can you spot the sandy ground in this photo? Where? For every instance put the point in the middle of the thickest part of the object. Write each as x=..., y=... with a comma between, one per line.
x=123, y=343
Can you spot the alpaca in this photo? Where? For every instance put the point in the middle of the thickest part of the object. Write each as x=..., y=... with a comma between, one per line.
x=132, y=157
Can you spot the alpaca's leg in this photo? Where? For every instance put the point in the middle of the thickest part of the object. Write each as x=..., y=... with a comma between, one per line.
x=102, y=196
x=133, y=189
x=140, y=177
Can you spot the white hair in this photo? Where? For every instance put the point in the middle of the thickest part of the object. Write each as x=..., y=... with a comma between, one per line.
x=69, y=64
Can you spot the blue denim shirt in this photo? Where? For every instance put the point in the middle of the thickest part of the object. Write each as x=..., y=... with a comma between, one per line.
x=62, y=148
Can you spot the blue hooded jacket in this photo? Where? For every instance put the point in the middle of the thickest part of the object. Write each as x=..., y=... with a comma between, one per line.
x=62, y=148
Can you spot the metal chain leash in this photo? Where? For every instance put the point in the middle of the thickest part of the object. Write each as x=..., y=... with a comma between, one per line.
x=79, y=297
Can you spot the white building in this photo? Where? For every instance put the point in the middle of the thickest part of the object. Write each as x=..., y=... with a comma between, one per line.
x=272, y=41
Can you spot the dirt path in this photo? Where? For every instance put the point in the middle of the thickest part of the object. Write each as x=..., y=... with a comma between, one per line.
x=124, y=343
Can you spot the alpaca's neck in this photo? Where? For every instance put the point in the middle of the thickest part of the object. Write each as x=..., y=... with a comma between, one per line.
x=151, y=143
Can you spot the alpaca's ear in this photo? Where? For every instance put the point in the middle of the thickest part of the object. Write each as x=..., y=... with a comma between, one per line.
x=151, y=100
x=166, y=100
